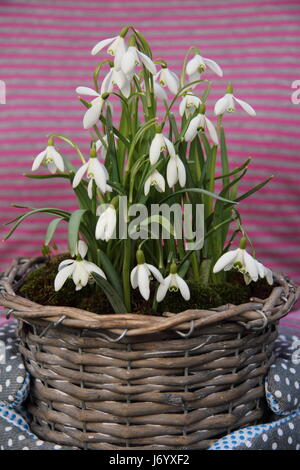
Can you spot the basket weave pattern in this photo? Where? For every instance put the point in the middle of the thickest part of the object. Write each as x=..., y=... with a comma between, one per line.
x=126, y=381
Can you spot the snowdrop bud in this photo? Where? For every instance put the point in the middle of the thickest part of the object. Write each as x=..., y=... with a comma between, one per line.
x=243, y=243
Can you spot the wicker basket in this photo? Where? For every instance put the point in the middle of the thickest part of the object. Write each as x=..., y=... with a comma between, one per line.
x=145, y=382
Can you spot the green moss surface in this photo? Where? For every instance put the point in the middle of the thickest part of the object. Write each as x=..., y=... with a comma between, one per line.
x=39, y=287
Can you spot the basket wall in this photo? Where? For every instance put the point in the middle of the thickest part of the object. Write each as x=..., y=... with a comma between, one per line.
x=158, y=391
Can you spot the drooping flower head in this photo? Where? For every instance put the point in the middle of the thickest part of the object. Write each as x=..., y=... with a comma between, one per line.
x=156, y=180
x=134, y=57
x=92, y=115
x=176, y=172
x=189, y=104
x=78, y=269
x=107, y=222
x=198, y=64
x=173, y=282
x=199, y=124
x=243, y=262
x=95, y=171
x=166, y=77
x=50, y=158
x=116, y=46
x=159, y=144
x=141, y=275
x=227, y=103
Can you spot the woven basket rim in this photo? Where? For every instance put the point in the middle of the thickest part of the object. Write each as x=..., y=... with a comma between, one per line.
x=255, y=314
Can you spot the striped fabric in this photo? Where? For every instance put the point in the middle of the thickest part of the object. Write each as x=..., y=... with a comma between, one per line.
x=45, y=54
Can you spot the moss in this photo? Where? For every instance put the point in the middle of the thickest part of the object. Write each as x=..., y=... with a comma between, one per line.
x=39, y=287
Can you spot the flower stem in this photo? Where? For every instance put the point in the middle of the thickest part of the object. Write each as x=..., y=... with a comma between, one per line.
x=126, y=274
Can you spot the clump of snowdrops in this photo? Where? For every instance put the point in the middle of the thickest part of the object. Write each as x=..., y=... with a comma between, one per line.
x=145, y=160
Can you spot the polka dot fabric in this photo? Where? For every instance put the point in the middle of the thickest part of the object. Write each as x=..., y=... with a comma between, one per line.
x=283, y=397
x=14, y=380
x=283, y=382
x=14, y=388
x=283, y=434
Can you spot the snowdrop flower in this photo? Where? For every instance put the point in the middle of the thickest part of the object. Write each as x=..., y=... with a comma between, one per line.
x=200, y=123
x=198, y=64
x=227, y=103
x=159, y=144
x=240, y=260
x=49, y=157
x=134, y=57
x=156, y=180
x=116, y=47
x=106, y=223
x=173, y=283
x=169, y=79
x=116, y=77
x=159, y=92
x=95, y=172
x=176, y=171
x=189, y=104
x=79, y=269
x=93, y=113
x=142, y=274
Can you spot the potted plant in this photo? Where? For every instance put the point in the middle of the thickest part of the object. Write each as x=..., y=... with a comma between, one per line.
x=152, y=332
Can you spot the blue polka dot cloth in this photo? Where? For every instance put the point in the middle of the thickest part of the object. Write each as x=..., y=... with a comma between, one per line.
x=283, y=398
x=15, y=431
x=282, y=432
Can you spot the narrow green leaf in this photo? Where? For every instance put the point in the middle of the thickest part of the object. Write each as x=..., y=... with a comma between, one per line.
x=112, y=295
x=74, y=228
x=253, y=190
x=51, y=230
x=197, y=190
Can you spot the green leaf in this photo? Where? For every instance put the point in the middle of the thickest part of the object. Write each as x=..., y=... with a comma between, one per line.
x=197, y=190
x=73, y=229
x=51, y=230
x=224, y=156
x=50, y=176
x=65, y=215
x=253, y=190
x=112, y=295
x=110, y=271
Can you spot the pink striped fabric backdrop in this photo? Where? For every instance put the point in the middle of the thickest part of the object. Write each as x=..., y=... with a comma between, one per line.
x=45, y=54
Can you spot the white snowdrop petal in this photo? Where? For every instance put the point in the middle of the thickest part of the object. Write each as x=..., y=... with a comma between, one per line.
x=92, y=115
x=172, y=175
x=183, y=287
x=156, y=273
x=148, y=63
x=62, y=276
x=250, y=265
x=192, y=65
x=134, y=278
x=163, y=289
x=38, y=160
x=246, y=106
x=212, y=131
x=57, y=158
x=221, y=105
x=213, y=66
x=143, y=281
x=84, y=90
x=192, y=129
x=170, y=147
x=155, y=148
x=224, y=260
x=129, y=60
x=100, y=45
x=79, y=174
